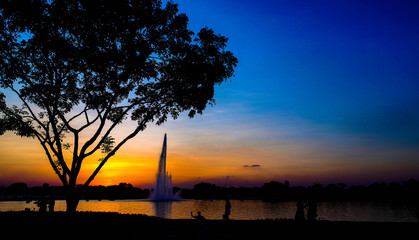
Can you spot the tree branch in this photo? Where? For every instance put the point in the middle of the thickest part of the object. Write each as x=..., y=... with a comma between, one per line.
x=28, y=107
x=106, y=111
x=94, y=137
x=51, y=161
x=98, y=116
x=57, y=140
x=139, y=128
x=109, y=131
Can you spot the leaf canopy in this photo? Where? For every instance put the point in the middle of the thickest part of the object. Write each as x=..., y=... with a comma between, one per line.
x=110, y=54
x=79, y=64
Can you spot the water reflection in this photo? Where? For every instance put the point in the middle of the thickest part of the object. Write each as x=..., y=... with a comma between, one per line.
x=163, y=209
x=240, y=210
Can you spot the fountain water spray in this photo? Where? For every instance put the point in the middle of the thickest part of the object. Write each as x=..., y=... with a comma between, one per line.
x=163, y=189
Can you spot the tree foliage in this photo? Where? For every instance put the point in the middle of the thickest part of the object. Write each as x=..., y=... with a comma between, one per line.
x=78, y=65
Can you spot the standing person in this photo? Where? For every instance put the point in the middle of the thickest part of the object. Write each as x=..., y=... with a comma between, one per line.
x=299, y=214
x=42, y=204
x=51, y=204
x=312, y=210
x=227, y=210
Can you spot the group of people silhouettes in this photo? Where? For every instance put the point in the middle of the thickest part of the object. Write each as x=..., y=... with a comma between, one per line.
x=311, y=207
x=43, y=202
x=226, y=215
x=300, y=215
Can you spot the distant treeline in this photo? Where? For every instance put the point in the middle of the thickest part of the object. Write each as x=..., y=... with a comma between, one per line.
x=271, y=191
x=278, y=191
x=20, y=191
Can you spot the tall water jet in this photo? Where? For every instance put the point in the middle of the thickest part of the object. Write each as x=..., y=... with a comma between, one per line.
x=163, y=189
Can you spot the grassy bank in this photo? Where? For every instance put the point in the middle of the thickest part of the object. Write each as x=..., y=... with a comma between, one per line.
x=94, y=225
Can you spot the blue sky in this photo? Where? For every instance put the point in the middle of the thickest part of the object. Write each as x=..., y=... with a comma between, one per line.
x=322, y=74
x=350, y=65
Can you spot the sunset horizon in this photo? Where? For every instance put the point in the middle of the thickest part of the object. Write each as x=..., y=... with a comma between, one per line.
x=141, y=171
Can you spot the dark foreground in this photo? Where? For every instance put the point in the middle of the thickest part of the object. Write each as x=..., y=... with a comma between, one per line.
x=91, y=225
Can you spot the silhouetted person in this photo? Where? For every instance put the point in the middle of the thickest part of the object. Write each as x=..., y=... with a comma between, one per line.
x=42, y=204
x=51, y=204
x=199, y=217
x=312, y=210
x=299, y=214
x=227, y=210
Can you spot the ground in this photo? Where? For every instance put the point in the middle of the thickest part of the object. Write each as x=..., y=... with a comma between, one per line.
x=90, y=225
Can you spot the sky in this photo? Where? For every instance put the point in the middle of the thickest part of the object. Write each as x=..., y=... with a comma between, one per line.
x=324, y=92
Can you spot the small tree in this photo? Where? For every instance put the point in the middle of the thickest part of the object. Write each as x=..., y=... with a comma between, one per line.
x=92, y=64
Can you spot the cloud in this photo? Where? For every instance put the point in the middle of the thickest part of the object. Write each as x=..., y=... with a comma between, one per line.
x=252, y=166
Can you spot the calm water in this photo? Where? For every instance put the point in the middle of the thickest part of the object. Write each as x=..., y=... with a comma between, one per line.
x=241, y=210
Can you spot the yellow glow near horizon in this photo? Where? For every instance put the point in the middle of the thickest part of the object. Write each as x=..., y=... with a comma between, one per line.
x=23, y=160
x=198, y=154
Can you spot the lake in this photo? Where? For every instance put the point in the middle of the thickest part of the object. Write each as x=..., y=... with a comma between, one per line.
x=241, y=210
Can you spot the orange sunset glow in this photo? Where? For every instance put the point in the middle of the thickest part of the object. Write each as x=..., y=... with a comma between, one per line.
x=196, y=154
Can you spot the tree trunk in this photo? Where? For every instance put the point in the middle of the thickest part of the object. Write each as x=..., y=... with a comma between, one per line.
x=72, y=200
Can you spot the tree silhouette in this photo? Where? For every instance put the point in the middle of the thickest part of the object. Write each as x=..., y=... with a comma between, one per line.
x=92, y=64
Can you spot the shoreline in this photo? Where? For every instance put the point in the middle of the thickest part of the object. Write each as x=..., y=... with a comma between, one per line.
x=106, y=224
x=62, y=214
x=244, y=210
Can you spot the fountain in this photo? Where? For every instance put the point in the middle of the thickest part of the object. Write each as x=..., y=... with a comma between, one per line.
x=163, y=189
